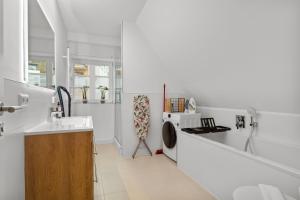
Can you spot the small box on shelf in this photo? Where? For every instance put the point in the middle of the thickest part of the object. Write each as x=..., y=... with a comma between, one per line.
x=175, y=105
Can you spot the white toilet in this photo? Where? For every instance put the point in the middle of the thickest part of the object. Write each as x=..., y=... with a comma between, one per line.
x=251, y=193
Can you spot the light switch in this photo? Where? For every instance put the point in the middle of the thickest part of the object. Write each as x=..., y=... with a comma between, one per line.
x=23, y=99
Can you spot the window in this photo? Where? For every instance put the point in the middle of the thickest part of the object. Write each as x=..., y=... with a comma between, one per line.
x=102, y=80
x=81, y=79
x=96, y=77
x=41, y=72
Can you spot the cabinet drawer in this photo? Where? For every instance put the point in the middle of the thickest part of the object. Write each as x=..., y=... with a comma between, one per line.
x=59, y=166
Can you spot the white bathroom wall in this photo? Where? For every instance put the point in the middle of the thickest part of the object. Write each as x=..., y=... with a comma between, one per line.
x=94, y=39
x=103, y=119
x=143, y=73
x=12, y=183
x=143, y=70
x=94, y=51
x=229, y=53
x=11, y=66
x=37, y=111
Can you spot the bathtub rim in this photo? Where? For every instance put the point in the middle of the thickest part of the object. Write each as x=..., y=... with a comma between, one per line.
x=275, y=165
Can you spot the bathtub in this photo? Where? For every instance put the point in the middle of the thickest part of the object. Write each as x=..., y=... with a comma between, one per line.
x=218, y=163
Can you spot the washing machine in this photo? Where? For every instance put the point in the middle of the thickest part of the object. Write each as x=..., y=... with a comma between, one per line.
x=172, y=124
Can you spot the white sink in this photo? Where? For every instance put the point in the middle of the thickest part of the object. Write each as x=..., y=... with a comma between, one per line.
x=63, y=125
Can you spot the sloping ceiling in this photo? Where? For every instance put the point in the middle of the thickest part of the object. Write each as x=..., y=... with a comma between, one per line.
x=233, y=53
x=99, y=17
x=37, y=18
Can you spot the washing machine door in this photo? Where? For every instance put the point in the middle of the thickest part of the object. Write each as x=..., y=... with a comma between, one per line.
x=169, y=135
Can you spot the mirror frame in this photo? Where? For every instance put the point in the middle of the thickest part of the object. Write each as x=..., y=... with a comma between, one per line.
x=1, y=26
x=26, y=40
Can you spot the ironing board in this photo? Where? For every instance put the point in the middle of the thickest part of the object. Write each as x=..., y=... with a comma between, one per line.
x=141, y=118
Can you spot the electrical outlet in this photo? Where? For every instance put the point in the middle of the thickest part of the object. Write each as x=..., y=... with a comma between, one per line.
x=240, y=121
x=23, y=99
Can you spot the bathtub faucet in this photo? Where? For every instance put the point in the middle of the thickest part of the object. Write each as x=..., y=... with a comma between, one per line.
x=253, y=124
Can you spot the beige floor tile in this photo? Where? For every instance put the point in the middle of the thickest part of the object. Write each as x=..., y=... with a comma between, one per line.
x=108, y=170
x=98, y=190
x=117, y=196
x=144, y=178
x=113, y=185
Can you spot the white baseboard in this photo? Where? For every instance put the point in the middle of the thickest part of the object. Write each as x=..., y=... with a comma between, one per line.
x=104, y=141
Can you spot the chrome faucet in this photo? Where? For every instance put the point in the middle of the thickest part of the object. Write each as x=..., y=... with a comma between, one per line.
x=253, y=123
x=54, y=114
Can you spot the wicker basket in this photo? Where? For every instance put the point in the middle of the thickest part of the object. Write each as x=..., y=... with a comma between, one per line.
x=174, y=105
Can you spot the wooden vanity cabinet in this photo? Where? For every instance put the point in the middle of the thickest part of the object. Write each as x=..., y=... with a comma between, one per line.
x=59, y=166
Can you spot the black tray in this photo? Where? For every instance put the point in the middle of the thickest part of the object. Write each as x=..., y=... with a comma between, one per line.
x=198, y=130
x=220, y=129
x=208, y=126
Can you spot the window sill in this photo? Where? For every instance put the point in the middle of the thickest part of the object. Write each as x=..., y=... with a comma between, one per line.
x=91, y=102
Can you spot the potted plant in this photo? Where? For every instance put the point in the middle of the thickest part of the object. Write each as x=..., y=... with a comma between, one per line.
x=103, y=90
x=84, y=96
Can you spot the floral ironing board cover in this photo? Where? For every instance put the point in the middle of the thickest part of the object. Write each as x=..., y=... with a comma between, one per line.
x=141, y=115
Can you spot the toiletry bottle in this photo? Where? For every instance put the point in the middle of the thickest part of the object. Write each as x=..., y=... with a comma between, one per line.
x=53, y=105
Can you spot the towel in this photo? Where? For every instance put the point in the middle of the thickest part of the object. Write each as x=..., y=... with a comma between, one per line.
x=270, y=192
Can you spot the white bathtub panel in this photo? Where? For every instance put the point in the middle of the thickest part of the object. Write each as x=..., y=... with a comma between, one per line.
x=231, y=139
x=216, y=137
x=282, y=153
x=221, y=170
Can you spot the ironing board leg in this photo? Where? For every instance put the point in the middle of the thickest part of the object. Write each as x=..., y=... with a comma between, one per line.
x=133, y=155
x=147, y=147
x=141, y=140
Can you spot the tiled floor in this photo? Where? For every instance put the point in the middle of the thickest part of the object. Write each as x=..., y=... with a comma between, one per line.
x=144, y=178
x=110, y=185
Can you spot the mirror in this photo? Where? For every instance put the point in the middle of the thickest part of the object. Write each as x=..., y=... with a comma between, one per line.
x=40, y=70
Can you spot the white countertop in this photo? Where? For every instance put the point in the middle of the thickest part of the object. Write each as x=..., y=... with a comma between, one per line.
x=63, y=125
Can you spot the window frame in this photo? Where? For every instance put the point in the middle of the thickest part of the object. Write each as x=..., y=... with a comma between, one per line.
x=92, y=76
x=50, y=77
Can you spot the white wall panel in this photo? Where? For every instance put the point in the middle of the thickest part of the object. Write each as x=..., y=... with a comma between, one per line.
x=229, y=53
